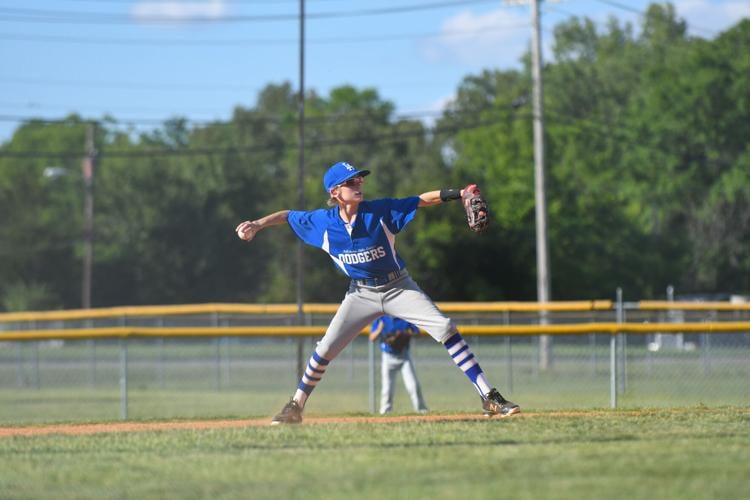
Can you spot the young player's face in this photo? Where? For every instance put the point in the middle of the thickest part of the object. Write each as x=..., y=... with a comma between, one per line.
x=351, y=190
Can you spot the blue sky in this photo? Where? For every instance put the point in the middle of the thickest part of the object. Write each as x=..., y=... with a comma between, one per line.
x=95, y=57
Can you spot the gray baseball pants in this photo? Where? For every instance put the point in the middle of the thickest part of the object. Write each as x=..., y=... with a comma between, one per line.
x=392, y=364
x=401, y=298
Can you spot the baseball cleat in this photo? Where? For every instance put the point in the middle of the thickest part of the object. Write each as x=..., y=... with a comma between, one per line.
x=291, y=413
x=495, y=404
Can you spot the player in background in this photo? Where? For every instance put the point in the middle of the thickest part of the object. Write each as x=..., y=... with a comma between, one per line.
x=360, y=238
x=395, y=338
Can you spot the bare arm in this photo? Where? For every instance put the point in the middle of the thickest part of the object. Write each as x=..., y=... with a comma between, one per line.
x=246, y=230
x=429, y=198
x=374, y=335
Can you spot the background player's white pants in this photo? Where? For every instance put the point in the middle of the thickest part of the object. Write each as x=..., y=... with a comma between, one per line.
x=401, y=298
x=392, y=364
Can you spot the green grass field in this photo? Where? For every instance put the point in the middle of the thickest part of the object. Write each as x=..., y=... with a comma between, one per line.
x=687, y=453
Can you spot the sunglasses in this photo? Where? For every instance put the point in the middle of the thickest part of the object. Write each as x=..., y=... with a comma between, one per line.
x=353, y=181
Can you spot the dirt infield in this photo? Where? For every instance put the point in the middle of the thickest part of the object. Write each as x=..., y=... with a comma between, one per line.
x=118, y=427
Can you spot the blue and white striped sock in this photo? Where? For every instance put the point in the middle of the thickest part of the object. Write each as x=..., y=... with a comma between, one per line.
x=316, y=367
x=464, y=359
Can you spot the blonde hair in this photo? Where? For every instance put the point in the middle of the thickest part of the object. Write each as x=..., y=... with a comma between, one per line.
x=331, y=201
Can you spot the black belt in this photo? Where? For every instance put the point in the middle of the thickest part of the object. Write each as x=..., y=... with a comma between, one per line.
x=382, y=280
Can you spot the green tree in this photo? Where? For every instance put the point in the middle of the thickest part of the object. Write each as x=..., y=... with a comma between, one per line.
x=41, y=211
x=647, y=182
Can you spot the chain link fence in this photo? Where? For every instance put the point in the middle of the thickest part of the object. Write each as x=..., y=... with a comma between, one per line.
x=234, y=376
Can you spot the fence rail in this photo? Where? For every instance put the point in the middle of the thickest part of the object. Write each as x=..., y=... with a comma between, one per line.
x=322, y=308
x=309, y=308
x=317, y=331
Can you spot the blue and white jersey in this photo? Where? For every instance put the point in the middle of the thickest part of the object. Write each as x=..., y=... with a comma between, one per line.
x=370, y=250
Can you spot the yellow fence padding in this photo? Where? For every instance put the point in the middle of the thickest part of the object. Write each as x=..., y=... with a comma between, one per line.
x=318, y=331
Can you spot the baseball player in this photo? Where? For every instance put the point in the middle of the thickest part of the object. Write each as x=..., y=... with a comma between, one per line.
x=360, y=238
x=395, y=338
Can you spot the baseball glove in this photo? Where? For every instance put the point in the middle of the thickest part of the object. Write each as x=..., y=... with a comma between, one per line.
x=397, y=341
x=477, y=213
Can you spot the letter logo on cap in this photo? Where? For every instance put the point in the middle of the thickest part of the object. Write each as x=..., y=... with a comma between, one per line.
x=348, y=167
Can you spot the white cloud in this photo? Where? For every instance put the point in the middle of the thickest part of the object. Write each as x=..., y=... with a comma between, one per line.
x=738, y=10
x=495, y=38
x=442, y=103
x=702, y=15
x=435, y=110
x=177, y=10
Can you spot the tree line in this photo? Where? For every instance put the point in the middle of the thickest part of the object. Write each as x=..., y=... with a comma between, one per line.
x=648, y=183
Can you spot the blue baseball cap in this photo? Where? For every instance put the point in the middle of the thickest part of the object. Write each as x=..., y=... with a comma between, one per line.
x=340, y=173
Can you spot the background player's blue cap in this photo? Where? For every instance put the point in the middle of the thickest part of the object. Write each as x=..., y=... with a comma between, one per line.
x=340, y=173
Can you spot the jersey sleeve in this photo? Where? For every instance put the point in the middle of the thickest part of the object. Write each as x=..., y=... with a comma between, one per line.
x=308, y=226
x=400, y=212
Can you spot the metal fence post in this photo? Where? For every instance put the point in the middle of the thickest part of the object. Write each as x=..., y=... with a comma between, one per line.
x=217, y=364
x=301, y=361
x=592, y=357
x=226, y=357
x=508, y=356
x=217, y=354
x=371, y=374
x=161, y=361
x=92, y=363
x=35, y=381
x=91, y=343
x=123, y=378
x=706, y=346
x=123, y=374
x=613, y=353
x=613, y=371
x=350, y=367
x=19, y=364
x=706, y=353
x=622, y=363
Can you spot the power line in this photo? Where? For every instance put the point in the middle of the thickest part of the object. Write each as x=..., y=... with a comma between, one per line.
x=128, y=85
x=30, y=120
x=417, y=115
x=680, y=47
x=621, y=6
x=392, y=136
x=135, y=85
x=550, y=8
x=582, y=125
x=245, y=2
x=628, y=8
x=76, y=17
x=312, y=120
x=157, y=117
x=254, y=41
x=586, y=126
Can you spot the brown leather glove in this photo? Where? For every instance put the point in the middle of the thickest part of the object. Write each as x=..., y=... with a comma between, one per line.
x=477, y=212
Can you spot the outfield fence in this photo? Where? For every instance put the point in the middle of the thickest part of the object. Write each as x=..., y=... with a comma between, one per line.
x=214, y=360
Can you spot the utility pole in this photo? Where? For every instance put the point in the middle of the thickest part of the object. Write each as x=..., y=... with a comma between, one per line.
x=87, y=168
x=301, y=181
x=542, y=256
